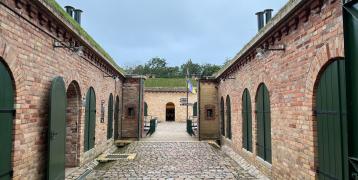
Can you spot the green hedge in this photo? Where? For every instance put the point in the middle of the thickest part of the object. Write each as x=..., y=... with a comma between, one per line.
x=167, y=82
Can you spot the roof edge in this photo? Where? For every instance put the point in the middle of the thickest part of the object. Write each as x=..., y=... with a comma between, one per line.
x=60, y=16
x=277, y=19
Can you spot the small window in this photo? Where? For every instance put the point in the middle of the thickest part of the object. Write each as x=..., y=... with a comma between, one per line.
x=210, y=112
x=131, y=112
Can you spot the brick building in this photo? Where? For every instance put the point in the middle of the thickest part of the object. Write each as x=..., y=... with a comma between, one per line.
x=61, y=94
x=282, y=102
x=164, y=103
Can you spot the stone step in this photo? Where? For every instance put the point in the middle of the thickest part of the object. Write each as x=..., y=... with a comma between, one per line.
x=122, y=143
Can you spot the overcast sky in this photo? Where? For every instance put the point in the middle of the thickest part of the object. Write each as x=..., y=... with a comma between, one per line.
x=206, y=31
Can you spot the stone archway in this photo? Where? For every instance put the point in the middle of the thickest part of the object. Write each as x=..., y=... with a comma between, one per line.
x=170, y=112
x=72, y=124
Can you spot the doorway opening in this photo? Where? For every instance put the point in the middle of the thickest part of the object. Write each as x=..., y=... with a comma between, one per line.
x=72, y=125
x=170, y=112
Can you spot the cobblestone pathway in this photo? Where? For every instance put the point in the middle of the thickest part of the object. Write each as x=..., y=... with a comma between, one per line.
x=172, y=160
x=169, y=132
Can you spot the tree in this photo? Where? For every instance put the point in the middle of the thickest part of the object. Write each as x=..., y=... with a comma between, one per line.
x=158, y=67
x=209, y=69
x=194, y=69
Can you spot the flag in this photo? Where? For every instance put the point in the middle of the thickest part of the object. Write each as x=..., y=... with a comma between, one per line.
x=190, y=86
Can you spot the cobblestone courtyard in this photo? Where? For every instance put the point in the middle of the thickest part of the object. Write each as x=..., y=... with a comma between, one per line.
x=172, y=154
x=172, y=160
x=169, y=132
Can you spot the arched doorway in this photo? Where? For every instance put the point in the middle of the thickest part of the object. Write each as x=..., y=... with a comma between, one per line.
x=246, y=121
x=170, y=112
x=6, y=121
x=110, y=117
x=73, y=95
x=116, y=118
x=228, y=117
x=263, y=115
x=222, y=116
x=90, y=119
x=330, y=110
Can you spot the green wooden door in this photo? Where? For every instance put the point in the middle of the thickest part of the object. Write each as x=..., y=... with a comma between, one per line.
x=110, y=118
x=228, y=117
x=247, y=121
x=145, y=109
x=331, y=118
x=222, y=116
x=90, y=120
x=195, y=109
x=350, y=17
x=116, y=118
x=263, y=115
x=57, y=130
x=6, y=120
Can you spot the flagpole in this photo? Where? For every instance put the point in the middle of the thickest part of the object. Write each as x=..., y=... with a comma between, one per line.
x=187, y=94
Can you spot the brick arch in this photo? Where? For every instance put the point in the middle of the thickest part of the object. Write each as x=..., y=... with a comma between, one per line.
x=8, y=55
x=256, y=85
x=323, y=57
x=329, y=52
x=313, y=104
x=73, y=124
x=71, y=76
x=9, y=58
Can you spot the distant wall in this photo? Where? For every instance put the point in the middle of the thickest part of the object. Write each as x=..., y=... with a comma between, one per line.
x=157, y=101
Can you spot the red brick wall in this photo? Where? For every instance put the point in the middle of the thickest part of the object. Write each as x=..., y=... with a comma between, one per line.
x=209, y=128
x=34, y=62
x=290, y=77
x=131, y=92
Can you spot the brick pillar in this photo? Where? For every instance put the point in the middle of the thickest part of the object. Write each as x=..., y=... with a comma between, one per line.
x=133, y=104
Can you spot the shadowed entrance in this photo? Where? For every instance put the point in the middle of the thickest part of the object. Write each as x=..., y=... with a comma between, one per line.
x=72, y=124
x=170, y=112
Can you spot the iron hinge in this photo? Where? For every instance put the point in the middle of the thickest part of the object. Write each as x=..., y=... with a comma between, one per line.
x=11, y=173
x=325, y=174
x=13, y=111
x=354, y=163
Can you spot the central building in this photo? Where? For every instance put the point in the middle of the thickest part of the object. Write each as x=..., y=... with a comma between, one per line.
x=163, y=100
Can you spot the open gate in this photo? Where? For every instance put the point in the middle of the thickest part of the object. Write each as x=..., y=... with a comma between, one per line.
x=57, y=130
x=350, y=16
x=110, y=118
x=7, y=113
x=247, y=121
x=90, y=120
x=222, y=116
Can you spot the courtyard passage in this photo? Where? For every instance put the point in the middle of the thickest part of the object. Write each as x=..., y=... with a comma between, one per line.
x=172, y=160
x=170, y=132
